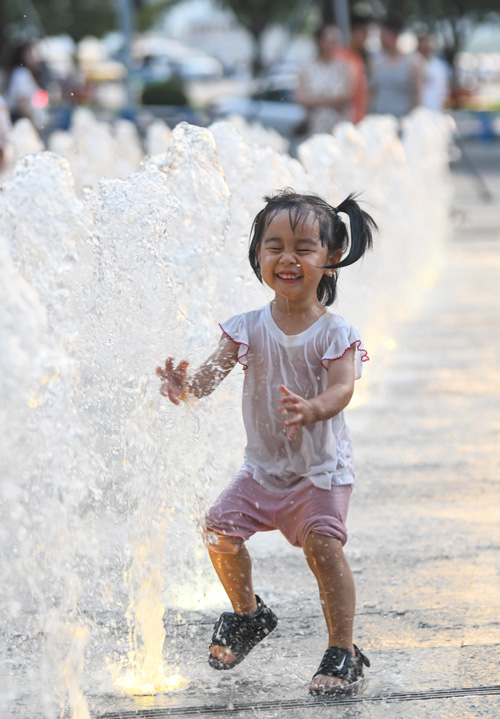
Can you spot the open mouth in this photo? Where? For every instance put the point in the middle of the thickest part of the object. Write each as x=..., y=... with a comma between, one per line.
x=288, y=277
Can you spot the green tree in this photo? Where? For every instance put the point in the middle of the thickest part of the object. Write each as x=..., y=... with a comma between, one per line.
x=257, y=16
x=76, y=18
x=453, y=19
x=54, y=17
x=147, y=11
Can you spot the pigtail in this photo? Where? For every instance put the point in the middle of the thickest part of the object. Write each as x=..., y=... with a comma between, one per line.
x=362, y=227
x=256, y=233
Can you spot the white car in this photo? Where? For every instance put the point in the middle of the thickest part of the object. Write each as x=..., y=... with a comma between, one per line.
x=272, y=105
x=159, y=58
x=199, y=66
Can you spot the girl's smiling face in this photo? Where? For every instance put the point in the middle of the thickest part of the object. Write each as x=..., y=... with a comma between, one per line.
x=292, y=261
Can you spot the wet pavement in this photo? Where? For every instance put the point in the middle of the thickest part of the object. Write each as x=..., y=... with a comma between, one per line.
x=424, y=522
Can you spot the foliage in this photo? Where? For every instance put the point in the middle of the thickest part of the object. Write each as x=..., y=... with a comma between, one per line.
x=438, y=10
x=453, y=19
x=76, y=18
x=170, y=92
x=148, y=12
x=55, y=17
x=258, y=15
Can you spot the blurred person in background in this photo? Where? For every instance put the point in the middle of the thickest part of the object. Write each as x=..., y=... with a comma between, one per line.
x=326, y=84
x=436, y=74
x=5, y=128
x=357, y=55
x=395, y=77
x=22, y=83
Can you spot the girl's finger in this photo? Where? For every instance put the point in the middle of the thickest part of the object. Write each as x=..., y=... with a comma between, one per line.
x=288, y=408
x=291, y=434
x=172, y=395
x=164, y=390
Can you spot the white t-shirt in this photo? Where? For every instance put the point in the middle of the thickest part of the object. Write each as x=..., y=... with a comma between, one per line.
x=22, y=86
x=436, y=83
x=319, y=452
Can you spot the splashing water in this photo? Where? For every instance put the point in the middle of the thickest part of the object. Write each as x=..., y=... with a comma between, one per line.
x=103, y=482
x=144, y=671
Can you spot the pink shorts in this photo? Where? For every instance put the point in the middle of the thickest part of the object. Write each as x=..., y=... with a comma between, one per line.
x=245, y=507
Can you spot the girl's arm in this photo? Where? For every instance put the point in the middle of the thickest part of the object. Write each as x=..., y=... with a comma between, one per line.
x=333, y=400
x=177, y=385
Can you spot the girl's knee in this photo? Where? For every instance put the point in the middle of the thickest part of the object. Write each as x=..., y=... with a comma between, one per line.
x=321, y=531
x=221, y=543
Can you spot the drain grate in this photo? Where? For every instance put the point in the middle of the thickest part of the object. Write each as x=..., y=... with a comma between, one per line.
x=306, y=702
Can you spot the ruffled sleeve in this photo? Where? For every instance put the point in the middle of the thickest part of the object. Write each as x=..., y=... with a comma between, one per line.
x=236, y=330
x=343, y=339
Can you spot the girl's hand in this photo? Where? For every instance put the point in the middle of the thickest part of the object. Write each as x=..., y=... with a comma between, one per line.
x=300, y=408
x=174, y=385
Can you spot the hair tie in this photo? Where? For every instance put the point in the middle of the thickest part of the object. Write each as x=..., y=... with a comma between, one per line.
x=336, y=210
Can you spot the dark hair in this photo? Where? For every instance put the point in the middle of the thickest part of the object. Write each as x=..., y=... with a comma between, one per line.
x=393, y=22
x=17, y=54
x=321, y=29
x=361, y=20
x=332, y=231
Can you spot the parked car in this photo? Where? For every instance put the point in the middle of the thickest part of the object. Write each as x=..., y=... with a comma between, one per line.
x=158, y=58
x=272, y=105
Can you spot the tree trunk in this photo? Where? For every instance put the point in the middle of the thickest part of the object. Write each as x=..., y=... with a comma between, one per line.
x=454, y=43
x=78, y=20
x=257, y=61
x=327, y=12
x=3, y=33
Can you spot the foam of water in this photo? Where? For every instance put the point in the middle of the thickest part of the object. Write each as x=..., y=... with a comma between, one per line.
x=103, y=481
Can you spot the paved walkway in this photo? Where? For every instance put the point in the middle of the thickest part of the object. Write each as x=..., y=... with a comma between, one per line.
x=424, y=525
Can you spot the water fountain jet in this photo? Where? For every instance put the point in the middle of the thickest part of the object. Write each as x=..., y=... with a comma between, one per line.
x=101, y=478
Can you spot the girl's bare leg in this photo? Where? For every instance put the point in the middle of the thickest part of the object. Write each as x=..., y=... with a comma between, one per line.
x=326, y=559
x=235, y=574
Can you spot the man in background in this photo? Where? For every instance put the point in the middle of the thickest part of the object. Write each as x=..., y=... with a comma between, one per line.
x=356, y=54
x=435, y=74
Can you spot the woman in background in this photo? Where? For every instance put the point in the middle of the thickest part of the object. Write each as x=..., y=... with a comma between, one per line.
x=326, y=85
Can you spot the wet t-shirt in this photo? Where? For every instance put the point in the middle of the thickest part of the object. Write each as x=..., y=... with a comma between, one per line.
x=320, y=452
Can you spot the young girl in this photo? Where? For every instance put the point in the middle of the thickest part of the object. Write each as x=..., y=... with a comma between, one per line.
x=300, y=364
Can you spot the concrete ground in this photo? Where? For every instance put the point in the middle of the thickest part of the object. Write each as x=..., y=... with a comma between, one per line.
x=424, y=522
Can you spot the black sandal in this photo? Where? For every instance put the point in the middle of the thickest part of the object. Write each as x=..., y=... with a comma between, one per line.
x=241, y=633
x=338, y=662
